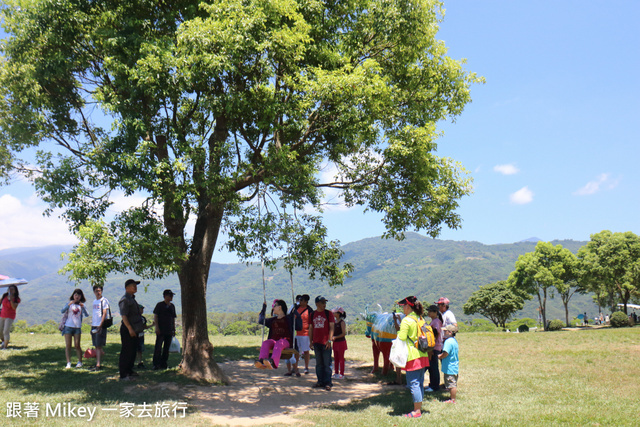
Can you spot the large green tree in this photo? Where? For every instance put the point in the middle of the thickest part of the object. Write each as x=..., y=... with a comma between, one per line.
x=495, y=301
x=610, y=266
x=542, y=271
x=222, y=114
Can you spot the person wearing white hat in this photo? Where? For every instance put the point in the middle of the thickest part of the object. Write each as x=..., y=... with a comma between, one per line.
x=447, y=316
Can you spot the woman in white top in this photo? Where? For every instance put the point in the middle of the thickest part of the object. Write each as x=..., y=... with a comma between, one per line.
x=73, y=325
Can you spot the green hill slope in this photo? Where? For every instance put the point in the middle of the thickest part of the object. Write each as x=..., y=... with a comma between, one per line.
x=385, y=271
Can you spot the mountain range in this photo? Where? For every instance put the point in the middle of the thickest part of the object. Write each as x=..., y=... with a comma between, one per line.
x=385, y=271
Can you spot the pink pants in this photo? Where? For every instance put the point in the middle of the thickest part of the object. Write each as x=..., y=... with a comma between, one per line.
x=339, y=348
x=277, y=347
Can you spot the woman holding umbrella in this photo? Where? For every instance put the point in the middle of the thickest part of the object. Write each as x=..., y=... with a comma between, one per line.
x=10, y=301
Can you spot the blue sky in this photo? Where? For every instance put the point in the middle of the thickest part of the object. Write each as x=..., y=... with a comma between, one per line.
x=551, y=139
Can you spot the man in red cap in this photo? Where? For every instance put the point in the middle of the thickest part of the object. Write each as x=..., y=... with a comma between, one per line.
x=447, y=316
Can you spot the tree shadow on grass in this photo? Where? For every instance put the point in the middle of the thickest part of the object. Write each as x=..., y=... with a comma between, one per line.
x=398, y=401
x=225, y=353
x=42, y=372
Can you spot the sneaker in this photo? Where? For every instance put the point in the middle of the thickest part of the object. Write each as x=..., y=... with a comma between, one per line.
x=428, y=390
x=68, y=366
x=306, y=371
x=338, y=376
x=95, y=368
x=79, y=365
x=317, y=385
x=450, y=401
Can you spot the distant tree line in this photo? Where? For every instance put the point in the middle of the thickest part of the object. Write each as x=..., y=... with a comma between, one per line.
x=607, y=266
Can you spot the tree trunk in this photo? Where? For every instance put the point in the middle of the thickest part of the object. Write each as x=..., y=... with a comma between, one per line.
x=197, y=362
x=566, y=313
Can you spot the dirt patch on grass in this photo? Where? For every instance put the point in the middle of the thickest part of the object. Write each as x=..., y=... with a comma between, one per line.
x=257, y=397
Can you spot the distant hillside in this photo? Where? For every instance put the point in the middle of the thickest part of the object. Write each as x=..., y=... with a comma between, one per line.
x=385, y=271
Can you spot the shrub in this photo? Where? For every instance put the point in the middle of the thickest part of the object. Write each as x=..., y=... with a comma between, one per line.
x=512, y=326
x=523, y=328
x=555, y=325
x=619, y=320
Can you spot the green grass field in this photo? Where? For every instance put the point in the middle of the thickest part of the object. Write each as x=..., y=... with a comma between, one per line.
x=589, y=377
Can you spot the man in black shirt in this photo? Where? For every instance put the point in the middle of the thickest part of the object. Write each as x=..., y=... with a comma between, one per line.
x=129, y=329
x=164, y=317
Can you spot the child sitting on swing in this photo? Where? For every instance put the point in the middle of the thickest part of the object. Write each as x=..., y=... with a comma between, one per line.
x=281, y=329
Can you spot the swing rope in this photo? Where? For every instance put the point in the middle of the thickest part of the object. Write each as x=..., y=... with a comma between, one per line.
x=264, y=286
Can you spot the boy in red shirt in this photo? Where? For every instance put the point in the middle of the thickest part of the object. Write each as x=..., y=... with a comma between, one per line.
x=321, y=335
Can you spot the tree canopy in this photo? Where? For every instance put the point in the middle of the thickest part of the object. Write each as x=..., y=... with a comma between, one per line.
x=539, y=272
x=209, y=110
x=610, y=266
x=495, y=301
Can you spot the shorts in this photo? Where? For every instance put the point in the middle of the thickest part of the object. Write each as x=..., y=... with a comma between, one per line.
x=140, y=343
x=71, y=331
x=99, y=339
x=450, y=381
x=303, y=343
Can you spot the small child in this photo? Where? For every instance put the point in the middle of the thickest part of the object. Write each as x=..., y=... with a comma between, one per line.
x=339, y=342
x=449, y=358
x=141, y=337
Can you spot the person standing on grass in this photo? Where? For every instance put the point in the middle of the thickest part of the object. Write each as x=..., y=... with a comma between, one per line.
x=321, y=335
x=417, y=361
x=9, y=304
x=339, y=342
x=449, y=357
x=434, y=372
x=73, y=325
x=164, y=317
x=447, y=316
x=130, y=327
x=98, y=333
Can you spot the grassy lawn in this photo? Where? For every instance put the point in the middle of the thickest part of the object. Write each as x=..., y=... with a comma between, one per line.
x=581, y=378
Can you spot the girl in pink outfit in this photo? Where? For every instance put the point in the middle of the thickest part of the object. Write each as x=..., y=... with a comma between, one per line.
x=10, y=301
x=281, y=329
x=339, y=341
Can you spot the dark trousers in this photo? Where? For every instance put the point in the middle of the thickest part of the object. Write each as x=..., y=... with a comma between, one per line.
x=161, y=351
x=323, y=364
x=434, y=372
x=127, y=352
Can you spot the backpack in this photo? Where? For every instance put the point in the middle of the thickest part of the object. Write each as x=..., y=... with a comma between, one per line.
x=108, y=319
x=426, y=339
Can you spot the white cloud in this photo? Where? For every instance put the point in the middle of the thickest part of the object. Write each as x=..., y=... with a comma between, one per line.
x=508, y=169
x=602, y=181
x=23, y=224
x=522, y=196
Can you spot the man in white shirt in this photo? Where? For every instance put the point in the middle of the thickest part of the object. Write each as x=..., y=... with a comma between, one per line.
x=447, y=316
x=98, y=333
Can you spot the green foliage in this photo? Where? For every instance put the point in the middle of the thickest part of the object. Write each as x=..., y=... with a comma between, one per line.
x=530, y=323
x=537, y=273
x=610, y=266
x=477, y=325
x=495, y=301
x=619, y=320
x=241, y=327
x=555, y=325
